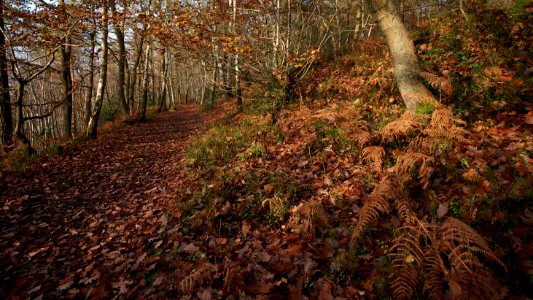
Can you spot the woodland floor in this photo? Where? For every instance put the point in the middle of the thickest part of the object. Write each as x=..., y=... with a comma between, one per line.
x=82, y=224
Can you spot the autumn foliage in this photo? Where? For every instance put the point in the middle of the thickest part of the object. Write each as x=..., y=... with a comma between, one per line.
x=336, y=192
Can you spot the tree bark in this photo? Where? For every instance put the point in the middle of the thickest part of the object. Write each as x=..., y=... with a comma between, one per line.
x=89, y=99
x=238, y=91
x=66, y=76
x=5, y=107
x=135, y=68
x=92, y=127
x=144, y=101
x=406, y=67
x=19, y=124
x=119, y=32
x=163, y=96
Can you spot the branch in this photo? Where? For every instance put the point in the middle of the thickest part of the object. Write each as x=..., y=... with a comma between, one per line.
x=44, y=68
x=40, y=117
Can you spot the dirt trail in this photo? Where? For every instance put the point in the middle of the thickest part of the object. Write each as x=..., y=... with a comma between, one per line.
x=86, y=223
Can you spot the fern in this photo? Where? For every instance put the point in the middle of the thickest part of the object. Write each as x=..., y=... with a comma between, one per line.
x=440, y=83
x=407, y=260
x=451, y=257
x=412, y=161
x=408, y=124
x=199, y=276
x=361, y=137
x=377, y=203
x=373, y=157
x=406, y=214
x=457, y=236
x=434, y=272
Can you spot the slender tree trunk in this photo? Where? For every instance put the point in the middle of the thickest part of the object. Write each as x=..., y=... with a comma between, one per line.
x=5, y=107
x=119, y=33
x=406, y=68
x=19, y=106
x=144, y=101
x=89, y=99
x=164, y=68
x=135, y=68
x=238, y=91
x=92, y=127
x=66, y=76
x=276, y=40
x=227, y=76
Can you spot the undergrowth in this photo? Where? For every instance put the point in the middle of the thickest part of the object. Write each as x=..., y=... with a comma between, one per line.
x=387, y=202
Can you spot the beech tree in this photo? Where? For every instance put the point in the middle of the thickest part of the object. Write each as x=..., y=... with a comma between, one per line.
x=92, y=127
x=406, y=68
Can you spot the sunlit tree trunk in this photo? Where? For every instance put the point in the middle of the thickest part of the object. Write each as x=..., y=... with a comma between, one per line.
x=92, y=127
x=5, y=107
x=238, y=91
x=406, y=67
x=89, y=97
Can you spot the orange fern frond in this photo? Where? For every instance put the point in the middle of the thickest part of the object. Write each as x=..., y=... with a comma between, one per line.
x=361, y=137
x=414, y=161
x=440, y=83
x=200, y=275
x=377, y=203
x=434, y=270
x=457, y=238
x=407, y=124
x=406, y=214
x=373, y=157
x=474, y=282
x=407, y=260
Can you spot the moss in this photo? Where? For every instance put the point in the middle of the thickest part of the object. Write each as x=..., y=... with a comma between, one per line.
x=425, y=108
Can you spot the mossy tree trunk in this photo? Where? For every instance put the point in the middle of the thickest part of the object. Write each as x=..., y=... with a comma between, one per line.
x=406, y=68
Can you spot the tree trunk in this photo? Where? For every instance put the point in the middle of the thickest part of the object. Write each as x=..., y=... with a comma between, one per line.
x=119, y=33
x=5, y=100
x=102, y=80
x=406, y=68
x=66, y=76
x=238, y=91
x=164, y=68
x=89, y=99
x=133, y=75
x=19, y=105
x=144, y=101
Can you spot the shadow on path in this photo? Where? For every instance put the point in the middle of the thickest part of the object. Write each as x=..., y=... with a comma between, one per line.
x=83, y=224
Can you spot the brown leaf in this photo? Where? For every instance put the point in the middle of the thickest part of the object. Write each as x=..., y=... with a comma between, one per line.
x=245, y=228
x=442, y=210
x=66, y=283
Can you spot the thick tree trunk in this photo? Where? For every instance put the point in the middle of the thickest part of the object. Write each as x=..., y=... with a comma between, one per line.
x=5, y=100
x=92, y=127
x=119, y=33
x=406, y=68
x=144, y=101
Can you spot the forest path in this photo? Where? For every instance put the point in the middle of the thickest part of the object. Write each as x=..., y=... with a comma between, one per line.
x=84, y=223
